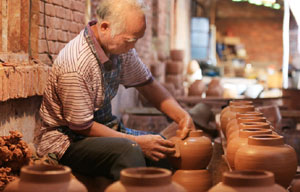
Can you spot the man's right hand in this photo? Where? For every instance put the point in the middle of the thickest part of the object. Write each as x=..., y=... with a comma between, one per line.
x=155, y=147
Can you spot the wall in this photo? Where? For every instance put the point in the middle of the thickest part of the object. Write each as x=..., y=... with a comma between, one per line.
x=259, y=28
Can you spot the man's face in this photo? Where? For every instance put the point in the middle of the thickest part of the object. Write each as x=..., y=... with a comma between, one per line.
x=135, y=26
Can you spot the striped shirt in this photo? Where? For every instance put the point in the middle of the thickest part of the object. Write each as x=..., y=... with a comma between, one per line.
x=75, y=90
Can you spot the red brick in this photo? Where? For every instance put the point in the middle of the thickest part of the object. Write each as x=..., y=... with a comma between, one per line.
x=78, y=6
x=41, y=3
x=65, y=24
x=14, y=25
x=57, y=2
x=73, y=27
x=41, y=33
x=42, y=79
x=42, y=46
x=5, y=81
x=69, y=15
x=57, y=23
x=60, y=12
x=62, y=36
x=52, y=34
x=44, y=58
x=66, y=3
x=78, y=17
x=50, y=9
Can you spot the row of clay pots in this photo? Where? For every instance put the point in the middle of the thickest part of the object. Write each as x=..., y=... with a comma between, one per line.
x=252, y=145
x=192, y=156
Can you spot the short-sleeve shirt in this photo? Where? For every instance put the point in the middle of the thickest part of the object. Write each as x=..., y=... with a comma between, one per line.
x=75, y=89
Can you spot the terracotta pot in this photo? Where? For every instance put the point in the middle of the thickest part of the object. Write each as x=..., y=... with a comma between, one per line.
x=214, y=88
x=174, y=67
x=197, y=88
x=145, y=179
x=235, y=103
x=268, y=152
x=193, y=180
x=158, y=69
x=231, y=114
x=177, y=54
x=192, y=153
x=233, y=124
x=242, y=140
x=247, y=181
x=177, y=80
x=295, y=186
x=46, y=178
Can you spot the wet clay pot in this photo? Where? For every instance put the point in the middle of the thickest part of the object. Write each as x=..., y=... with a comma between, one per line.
x=247, y=181
x=145, y=179
x=247, y=125
x=197, y=88
x=234, y=124
x=268, y=152
x=242, y=140
x=192, y=153
x=295, y=186
x=244, y=117
x=193, y=180
x=235, y=103
x=46, y=178
x=231, y=114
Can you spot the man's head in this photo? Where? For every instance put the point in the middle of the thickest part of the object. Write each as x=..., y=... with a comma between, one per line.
x=120, y=24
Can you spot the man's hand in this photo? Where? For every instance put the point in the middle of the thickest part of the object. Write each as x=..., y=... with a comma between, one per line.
x=155, y=147
x=186, y=125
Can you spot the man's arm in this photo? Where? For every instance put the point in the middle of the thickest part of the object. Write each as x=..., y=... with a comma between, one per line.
x=162, y=100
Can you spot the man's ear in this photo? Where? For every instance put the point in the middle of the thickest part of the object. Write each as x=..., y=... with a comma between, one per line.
x=104, y=26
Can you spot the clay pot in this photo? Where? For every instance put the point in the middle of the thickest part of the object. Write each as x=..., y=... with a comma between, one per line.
x=145, y=179
x=197, y=88
x=214, y=88
x=235, y=103
x=46, y=178
x=158, y=69
x=268, y=152
x=177, y=80
x=248, y=125
x=192, y=153
x=242, y=140
x=295, y=186
x=177, y=54
x=193, y=180
x=231, y=114
x=174, y=67
x=233, y=124
x=247, y=181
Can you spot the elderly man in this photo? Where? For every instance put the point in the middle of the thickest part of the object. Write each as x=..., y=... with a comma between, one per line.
x=78, y=126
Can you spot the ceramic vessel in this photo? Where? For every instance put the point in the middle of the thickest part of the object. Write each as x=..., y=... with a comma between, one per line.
x=234, y=132
x=231, y=114
x=192, y=153
x=197, y=88
x=295, y=186
x=193, y=180
x=174, y=67
x=240, y=141
x=46, y=178
x=177, y=54
x=247, y=181
x=214, y=88
x=268, y=152
x=236, y=102
x=145, y=179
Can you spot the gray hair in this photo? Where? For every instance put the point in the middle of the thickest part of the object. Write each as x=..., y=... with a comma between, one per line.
x=113, y=11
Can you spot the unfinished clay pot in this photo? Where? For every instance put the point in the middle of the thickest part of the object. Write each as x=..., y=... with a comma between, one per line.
x=197, y=88
x=46, y=178
x=247, y=181
x=247, y=125
x=268, y=152
x=231, y=114
x=174, y=67
x=193, y=180
x=177, y=54
x=240, y=141
x=145, y=179
x=192, y=153
x=295, y=186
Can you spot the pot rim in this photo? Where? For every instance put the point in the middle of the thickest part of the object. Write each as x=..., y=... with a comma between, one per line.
x=266, y=140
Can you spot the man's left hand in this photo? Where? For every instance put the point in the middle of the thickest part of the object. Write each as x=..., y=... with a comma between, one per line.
x=186, y=125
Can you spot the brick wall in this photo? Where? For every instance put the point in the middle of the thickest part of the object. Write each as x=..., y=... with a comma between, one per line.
x=64, y=20
x=259, y=28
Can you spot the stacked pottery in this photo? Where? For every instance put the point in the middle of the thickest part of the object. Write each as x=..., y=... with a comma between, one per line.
x=231, y=114
x=145, y=179
x=234, y=103
x=268, y=152
x=242, y=140
x=192, y=156
x=247, y=181
x=46, y=178
x=174, y=71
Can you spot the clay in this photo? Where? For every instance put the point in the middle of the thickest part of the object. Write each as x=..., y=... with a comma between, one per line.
x=197, y=88
x=145, y=179
x=268, y=152
x=247, y=181
x=192, y=153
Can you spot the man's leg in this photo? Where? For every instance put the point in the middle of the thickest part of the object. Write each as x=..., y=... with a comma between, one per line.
x=103, y=156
